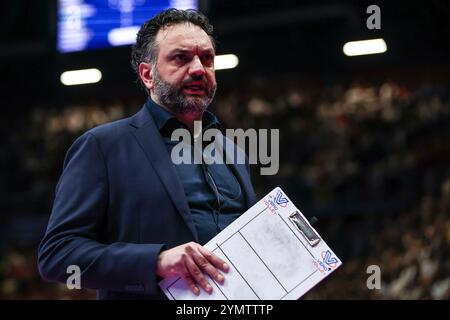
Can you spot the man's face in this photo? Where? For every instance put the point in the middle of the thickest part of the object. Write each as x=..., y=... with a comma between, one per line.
x=184, y=78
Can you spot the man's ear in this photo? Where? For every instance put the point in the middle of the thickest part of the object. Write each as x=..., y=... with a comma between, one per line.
x=146, y=75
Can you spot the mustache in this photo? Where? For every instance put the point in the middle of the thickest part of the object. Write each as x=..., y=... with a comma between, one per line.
x=192, y=79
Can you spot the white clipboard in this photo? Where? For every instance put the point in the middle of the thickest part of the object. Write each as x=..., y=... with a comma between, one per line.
x=273, y=253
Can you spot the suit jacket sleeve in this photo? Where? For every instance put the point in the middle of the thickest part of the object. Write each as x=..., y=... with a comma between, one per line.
x=76, y=225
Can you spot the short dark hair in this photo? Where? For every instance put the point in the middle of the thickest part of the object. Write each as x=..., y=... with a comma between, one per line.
x=145, y=50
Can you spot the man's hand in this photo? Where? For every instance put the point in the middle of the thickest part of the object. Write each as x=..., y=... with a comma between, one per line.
x=191, y=261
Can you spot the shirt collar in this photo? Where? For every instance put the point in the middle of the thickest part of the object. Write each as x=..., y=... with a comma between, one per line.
x=167, y=122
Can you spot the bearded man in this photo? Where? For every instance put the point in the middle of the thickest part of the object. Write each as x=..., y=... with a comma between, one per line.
x=124, y=213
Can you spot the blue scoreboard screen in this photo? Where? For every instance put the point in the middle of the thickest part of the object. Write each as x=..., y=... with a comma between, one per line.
x=95, y=24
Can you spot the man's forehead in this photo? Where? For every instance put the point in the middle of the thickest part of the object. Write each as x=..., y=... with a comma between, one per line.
x=183, y=36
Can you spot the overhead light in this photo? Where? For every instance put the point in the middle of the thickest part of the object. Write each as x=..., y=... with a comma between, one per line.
x=358, y=48
x=84, y=76
x=225, y=61
x=122, y=36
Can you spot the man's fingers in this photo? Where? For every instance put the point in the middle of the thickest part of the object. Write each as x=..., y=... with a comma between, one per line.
x=197, y=274
x=215, y=260
x=205, y=265
x=184, y=273
x=193, y=263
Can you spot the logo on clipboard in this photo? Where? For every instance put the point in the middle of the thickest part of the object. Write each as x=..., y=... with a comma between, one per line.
x=281, y=200
x=327, y=264
x=272, y=202
x=328, y=259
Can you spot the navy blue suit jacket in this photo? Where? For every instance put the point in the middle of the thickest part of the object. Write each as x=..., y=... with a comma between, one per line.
x=118, y=203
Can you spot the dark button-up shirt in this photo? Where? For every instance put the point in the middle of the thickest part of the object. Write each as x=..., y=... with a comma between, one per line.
x=213, y=192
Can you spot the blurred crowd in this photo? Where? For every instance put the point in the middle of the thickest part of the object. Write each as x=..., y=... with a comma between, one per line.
x=410, y=249
x=370, y=160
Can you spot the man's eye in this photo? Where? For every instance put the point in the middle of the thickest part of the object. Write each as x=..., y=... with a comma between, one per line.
x=180, y=58
x=208, y=58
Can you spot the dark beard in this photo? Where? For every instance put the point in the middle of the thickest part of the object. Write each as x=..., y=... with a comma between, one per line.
x=172, y=96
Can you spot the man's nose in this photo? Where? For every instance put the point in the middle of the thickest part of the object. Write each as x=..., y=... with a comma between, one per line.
x=196, y=68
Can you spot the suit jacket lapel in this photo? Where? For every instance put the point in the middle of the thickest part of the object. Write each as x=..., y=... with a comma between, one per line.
x=147, y=135
x=238, y=166
x=244, y=179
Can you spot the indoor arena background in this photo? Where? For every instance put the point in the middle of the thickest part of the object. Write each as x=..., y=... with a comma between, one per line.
x=364, y=140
